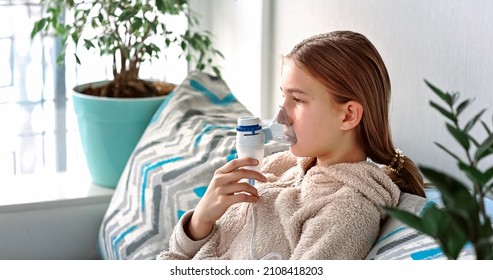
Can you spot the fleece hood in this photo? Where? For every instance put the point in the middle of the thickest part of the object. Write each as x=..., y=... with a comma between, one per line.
x=363, y=177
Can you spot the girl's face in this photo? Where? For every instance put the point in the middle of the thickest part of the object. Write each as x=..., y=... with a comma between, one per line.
x=316, y=118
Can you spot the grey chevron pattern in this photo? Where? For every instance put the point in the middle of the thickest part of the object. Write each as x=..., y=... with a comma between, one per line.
x=191, y=135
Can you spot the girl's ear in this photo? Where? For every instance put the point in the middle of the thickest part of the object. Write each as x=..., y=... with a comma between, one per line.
x=353, y=114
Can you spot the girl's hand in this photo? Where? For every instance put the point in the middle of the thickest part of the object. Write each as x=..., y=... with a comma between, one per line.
x=225, y=189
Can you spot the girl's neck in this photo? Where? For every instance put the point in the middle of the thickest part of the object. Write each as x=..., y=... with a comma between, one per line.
x=355, y=155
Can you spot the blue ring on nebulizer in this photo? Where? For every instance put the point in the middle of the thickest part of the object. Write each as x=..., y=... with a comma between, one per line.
x=249, y=127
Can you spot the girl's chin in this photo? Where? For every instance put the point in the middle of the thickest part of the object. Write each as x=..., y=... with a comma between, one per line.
x=298, y=152
x=295, y=151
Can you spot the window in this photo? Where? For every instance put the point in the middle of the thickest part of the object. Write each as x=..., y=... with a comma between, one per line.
x=37, y=123
x=27, y=98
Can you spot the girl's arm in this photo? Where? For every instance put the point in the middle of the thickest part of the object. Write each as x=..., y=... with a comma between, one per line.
x=225, y=189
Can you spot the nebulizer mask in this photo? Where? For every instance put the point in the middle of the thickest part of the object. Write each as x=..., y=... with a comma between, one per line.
x=251, y=137
x=250, y=141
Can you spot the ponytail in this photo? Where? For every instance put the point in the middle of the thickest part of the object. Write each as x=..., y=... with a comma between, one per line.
x=408, y=178
x=402, y=171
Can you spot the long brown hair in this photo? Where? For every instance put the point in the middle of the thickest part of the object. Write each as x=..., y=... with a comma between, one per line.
x=351, y=68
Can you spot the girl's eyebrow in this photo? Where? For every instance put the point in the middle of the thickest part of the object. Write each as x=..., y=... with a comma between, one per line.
x=293, y=90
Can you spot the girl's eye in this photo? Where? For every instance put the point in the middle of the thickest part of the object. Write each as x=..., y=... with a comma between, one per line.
x=296, y=100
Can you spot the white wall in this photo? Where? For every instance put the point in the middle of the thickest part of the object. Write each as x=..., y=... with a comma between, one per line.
x=448, y=42
x=237, y=29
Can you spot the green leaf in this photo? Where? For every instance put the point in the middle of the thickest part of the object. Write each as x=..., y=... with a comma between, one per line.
x=474, y=174
x=450, y=230
x=488, y=174
x=485, y=149
x=154, y=25
x=101, y=19
x=473, y=121
x=453, y=241
x=38, y=26
x=127, y=14
x=219, y=53
x=75, y=37
x=160, y=4
x=488, y=131
x=485, y=241
x=406, y=217
x=443, y=95
x=88, y=44
x=433, y=221
x=460, y=136
x=62, y=30
x=217, y=72
x=454, y=193
x=77, y=59
x=136, y=24
x=443, y=111
x=487, y=229
x=462, y=106
x=60, y=59
x=473, y=141
x=447, y=151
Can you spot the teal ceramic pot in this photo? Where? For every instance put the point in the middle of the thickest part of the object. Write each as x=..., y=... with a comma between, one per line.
x=110, y=129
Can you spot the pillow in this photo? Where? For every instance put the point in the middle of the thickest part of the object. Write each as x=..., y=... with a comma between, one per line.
x=190, y=136
x=398, y=241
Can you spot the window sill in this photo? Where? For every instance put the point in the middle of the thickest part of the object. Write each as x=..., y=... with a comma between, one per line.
x=55, y=216
x=45, y=190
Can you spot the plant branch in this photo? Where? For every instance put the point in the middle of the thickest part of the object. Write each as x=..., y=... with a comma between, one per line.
x=125, y=29
x=463, y=217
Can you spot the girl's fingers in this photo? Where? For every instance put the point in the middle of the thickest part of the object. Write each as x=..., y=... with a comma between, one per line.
x=242, y=197
x=237, y=175
x=218, y=199
x=236, y=188
x=226, y=189
x=237, y=163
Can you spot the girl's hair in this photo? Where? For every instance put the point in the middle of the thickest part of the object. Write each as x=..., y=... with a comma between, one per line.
x=351, y=68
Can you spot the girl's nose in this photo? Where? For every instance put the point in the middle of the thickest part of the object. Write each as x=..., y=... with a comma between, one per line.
x=283, y=116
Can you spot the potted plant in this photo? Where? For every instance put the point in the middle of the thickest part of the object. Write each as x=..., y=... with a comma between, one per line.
x=462, y=219
x=112, y=115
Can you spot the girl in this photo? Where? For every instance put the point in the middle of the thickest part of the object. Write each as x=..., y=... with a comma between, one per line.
x=321, y=199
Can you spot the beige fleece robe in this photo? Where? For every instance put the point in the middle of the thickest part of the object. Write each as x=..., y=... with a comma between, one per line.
x=325, y=212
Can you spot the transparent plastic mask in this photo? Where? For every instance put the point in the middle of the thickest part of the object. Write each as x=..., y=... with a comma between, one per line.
x=280, y=130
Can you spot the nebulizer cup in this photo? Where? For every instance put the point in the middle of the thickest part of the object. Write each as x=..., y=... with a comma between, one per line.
x=250, y=140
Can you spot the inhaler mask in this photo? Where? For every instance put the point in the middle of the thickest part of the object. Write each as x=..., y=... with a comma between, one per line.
x=280, y=130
